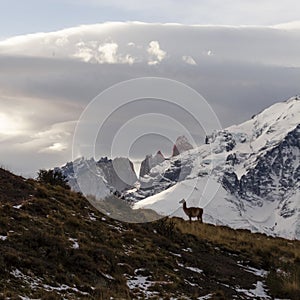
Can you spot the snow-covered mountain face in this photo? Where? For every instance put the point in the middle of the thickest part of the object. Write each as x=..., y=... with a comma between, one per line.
x=100, y=178
x=245, y=176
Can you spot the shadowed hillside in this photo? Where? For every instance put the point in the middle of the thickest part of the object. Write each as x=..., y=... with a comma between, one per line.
x=54, y=245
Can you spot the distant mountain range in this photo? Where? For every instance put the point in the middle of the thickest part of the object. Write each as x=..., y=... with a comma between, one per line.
x=245, y=176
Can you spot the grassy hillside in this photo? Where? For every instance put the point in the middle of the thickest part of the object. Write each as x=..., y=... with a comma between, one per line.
x=54, y=244
x=279, y=256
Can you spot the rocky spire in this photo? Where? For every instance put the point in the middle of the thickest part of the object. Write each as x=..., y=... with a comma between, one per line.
x=151, y=161
x=181, y=145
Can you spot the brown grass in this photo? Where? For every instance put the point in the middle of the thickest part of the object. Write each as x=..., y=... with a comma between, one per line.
x=280, y=256
x=38, y=244
x=243, y=240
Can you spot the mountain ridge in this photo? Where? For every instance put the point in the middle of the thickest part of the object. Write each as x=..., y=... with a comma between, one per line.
x=252, y=171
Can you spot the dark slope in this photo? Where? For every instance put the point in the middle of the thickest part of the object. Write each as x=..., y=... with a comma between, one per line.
x=54, y=245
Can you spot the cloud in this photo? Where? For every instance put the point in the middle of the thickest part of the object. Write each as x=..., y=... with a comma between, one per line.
x=84, y=52
x=288, y=25
x=30, y=151
x=94, y=52
x=9, y=125
x=62, y=41
x=47, y=79
x=156, y=54
x=108, y=53
x=189, y=60
x=56, y=147
x=106, y=43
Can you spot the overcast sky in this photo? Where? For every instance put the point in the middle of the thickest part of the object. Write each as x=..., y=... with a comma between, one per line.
x=48, y=79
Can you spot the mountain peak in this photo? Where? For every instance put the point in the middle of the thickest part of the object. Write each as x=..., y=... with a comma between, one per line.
x=182, y=144
x=151, y=161
x=159, y=153
x=257, y=164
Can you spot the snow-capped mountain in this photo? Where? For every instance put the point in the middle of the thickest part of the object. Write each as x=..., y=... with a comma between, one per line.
x=245, y=176
x=100, y=178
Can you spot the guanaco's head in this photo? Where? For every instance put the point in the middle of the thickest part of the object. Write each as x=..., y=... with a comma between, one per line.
x=182, y=201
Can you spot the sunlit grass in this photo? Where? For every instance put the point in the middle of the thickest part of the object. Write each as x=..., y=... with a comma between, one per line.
x=279, y=255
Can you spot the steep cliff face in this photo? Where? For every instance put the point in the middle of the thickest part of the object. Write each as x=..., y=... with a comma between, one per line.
x=276, y=173
x=149, y=162
x=119, y=172
x=181, y=145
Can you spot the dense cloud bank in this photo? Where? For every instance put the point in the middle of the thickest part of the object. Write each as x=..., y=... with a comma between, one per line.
x=47, y=79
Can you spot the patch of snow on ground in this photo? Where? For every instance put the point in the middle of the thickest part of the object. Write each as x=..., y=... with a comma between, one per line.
x=258, y=291
x=18, y=206
x=257, y=272
x=196, y=270
x=187, y=250
x=63, y=287
x=92, y=217
x=190, y=283
x=32, y=282
x=175, y=254
x=142, y=284
x=118, y=228
x=75, y=243
x=36, y=282
x=3, y=237
x=107, y=276
x=206, y=297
